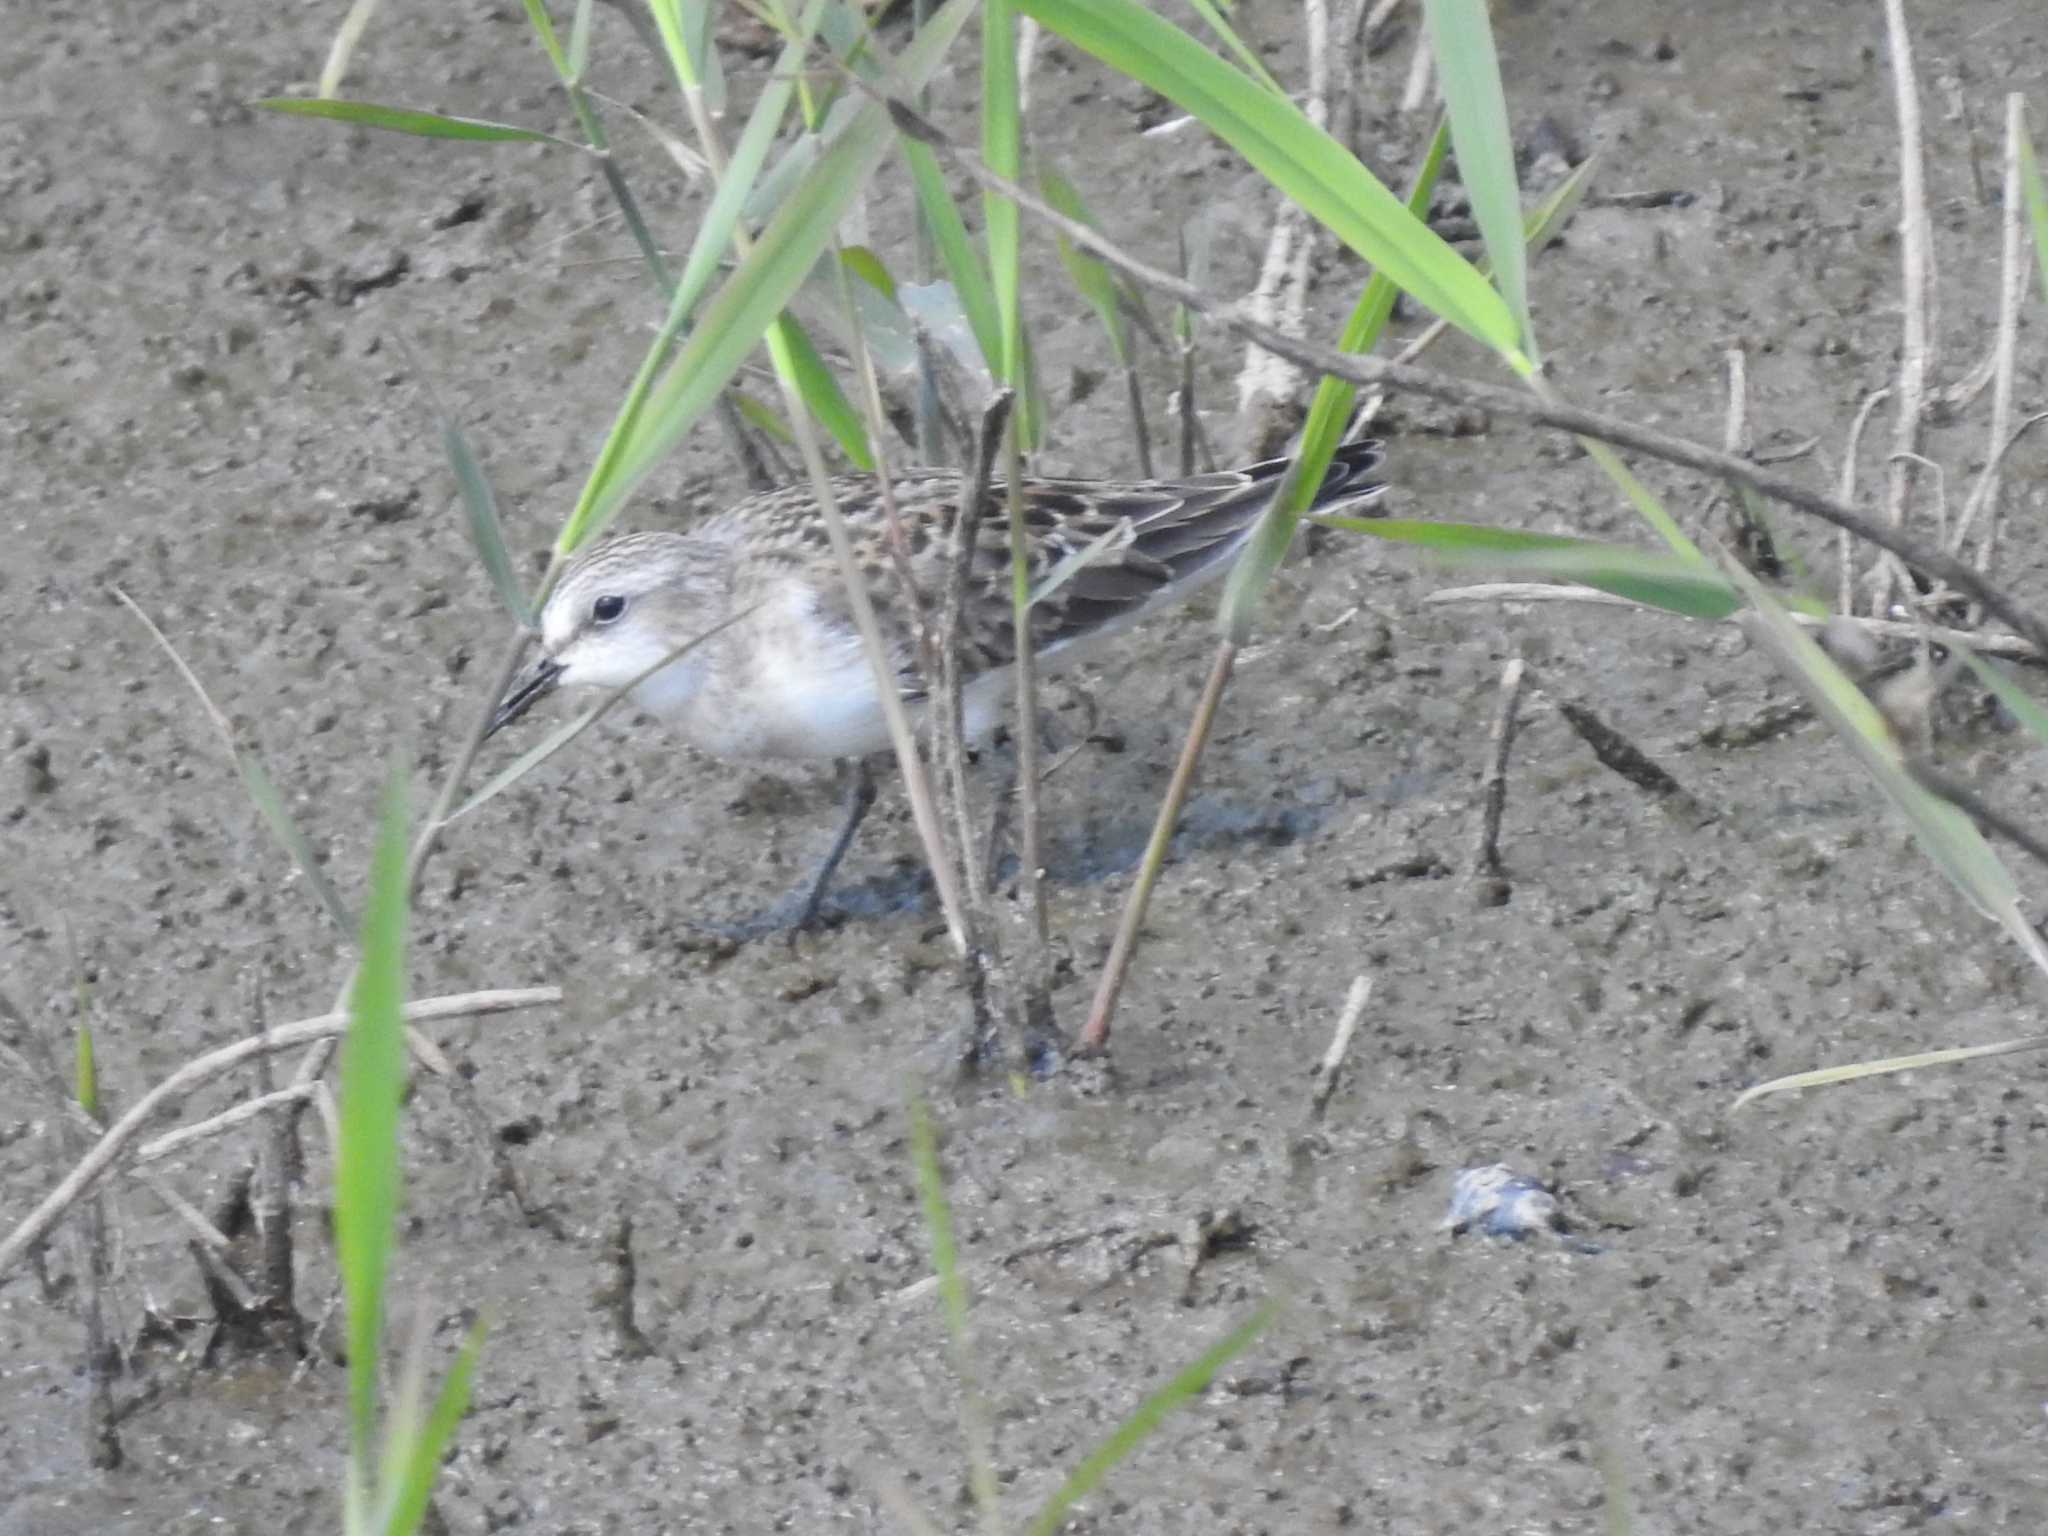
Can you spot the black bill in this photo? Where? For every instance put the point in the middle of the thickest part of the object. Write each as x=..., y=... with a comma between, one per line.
x=527, y=690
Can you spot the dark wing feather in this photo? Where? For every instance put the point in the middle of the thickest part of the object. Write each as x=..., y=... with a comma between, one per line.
x=1181, y=530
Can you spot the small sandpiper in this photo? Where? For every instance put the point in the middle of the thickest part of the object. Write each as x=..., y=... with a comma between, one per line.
x=789, y=680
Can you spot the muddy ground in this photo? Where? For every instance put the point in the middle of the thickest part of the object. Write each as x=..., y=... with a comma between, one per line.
x=1827, y=1313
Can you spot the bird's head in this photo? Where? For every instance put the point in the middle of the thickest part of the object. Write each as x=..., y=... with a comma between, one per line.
x=617, y=612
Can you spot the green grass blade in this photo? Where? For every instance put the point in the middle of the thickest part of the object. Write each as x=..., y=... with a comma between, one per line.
x=1300, y=159
x=544, y=29
x=263, y=794
x=1547, y=220
x=1850, y=1072
x=2037, y=204
x=256, y=780
x=870, y=269
x=86, y=1078
x=714, y=235
x=957, y=256
x=1002, y=149
x=1212, y=14
x=736, y=317
x=420, y=1459
x=1327, y=416
x=1690, y=588
x=1944, y=832
x=743, y=171
x=1642, y=498
x=480, y=508
x=366, y=1178
x=424, y=125
x=1186, y=1385
x=1091, y=277
x=762, y=416
x=1462, y=36
x=796, y=357
x=579, y=40
x=2022, y=705
x=938, y=1224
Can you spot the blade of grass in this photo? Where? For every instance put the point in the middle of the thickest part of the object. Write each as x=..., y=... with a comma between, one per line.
x=938, y=1224
x=740, y=312
x=419, y=1458
x=1300, y=159
x=957, y=256
x=1002, y=150
x=1823, y=1076
x=1091, y=278
x=822, y=395
x=1673, y=583
x=486, y=529
x=1948, y=836
x=366, y=1174
x=1212, y=14
x=256, y=781
x=407, y=120
x=479, y=501
x=1328, y=412
x=86, y=1075
x=762, y=416
x=1462, y=35
x=2021, y=704
x=544, y=29
x=579, y=40
x=1187, y=1384
x=870, y=269
x=2037, y=205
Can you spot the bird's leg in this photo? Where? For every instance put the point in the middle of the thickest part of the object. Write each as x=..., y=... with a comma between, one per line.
x=860, y=800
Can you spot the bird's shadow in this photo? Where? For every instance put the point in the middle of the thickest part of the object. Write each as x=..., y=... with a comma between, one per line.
x=1208, y=821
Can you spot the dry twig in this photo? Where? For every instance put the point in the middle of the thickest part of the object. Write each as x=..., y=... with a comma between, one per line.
x=1494, y=787
x=1331, y=1067
x=213, y=1064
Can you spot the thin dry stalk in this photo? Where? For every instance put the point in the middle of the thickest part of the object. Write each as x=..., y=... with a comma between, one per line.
x=916, y=786
x=1191, y=434
x=214, y=1125
x=1965, y=799
x=1331, y=1068
x=1036, y=964
x=93, y=1237
x=272, y=1203
x=1845, y=596
x=1494, y=785
x=1095, y=1035
x=1915, y=285
x=2012, y=290
x=1940, y=496
x=948, y=723
x=1134, y=398
x=203, y=1069
x=1267, y=384
x=1418, y=91
x=1735, y=437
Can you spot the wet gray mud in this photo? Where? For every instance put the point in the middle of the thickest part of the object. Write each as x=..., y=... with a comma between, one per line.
x=1826, y=1313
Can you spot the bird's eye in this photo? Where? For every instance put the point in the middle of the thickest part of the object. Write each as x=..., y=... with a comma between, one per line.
x=607, y=608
